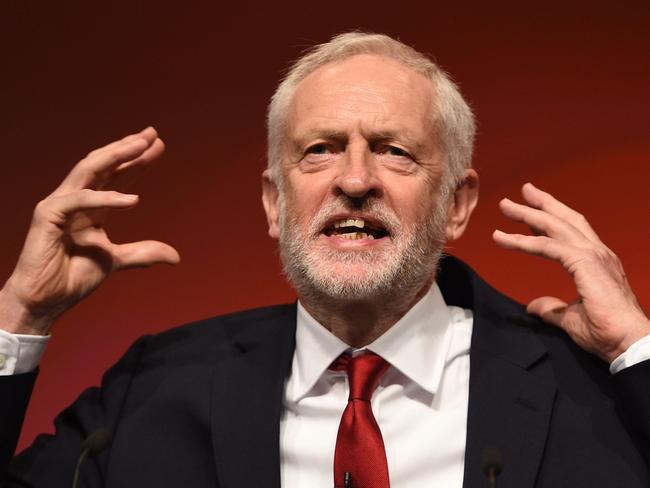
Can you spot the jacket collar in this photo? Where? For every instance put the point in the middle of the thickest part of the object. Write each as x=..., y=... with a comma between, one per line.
x=510, y=400
x=512, y=392
x=247, y=392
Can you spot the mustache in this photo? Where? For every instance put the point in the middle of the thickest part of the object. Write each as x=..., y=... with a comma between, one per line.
x=371, y=208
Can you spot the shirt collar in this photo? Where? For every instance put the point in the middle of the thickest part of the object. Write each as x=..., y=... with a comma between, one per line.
x=416, y=345
x=316, y=349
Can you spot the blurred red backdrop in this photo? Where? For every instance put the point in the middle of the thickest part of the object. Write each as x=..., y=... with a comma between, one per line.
x=561, y=93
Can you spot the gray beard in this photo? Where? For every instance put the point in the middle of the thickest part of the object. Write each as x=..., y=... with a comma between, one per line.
x=404, y=270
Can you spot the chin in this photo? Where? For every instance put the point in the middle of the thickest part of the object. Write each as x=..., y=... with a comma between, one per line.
x=344, y=289
x=347, y=279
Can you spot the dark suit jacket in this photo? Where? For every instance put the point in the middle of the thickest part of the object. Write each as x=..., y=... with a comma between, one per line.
x=200, y=405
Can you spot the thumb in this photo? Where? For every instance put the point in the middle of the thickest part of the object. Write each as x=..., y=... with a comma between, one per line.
x=144, y=254
x=550, y=309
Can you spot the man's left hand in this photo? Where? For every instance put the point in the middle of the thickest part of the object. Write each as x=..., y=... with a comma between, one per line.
x=606, y=318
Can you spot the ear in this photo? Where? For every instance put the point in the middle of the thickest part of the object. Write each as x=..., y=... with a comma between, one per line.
x=270, y=194
x=462, y=205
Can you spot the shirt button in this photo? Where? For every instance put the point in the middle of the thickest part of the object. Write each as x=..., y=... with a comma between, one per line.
x=3, y=361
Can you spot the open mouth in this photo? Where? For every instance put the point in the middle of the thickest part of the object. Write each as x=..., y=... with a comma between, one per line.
x=355, y=229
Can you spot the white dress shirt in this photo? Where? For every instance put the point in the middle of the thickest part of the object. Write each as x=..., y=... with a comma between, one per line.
x=420, y=403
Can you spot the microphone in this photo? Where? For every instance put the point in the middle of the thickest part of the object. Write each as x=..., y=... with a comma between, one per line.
x=491, y=464
x=95, y=443
x=347, y=480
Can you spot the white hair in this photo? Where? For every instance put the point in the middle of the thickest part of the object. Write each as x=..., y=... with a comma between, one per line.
x=453, y=119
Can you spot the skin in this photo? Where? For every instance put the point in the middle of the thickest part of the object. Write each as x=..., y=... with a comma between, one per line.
x=605, y=318
x=362, y=128
x=67, y=252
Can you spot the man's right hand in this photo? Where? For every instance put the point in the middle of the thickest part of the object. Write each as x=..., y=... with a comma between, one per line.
x=67, y=253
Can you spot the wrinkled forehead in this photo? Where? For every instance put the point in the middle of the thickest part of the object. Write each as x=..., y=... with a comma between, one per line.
x=375, y=91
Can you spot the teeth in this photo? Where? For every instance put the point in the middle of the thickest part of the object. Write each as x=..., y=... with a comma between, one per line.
x=359, y=223
x=353, y=236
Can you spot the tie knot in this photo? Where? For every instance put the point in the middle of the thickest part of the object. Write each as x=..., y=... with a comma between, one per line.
x=364, y=373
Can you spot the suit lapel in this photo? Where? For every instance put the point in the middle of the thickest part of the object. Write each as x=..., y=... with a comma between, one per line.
x=247, y=394
x=509, y=408
x=510, y=401
x=511, y=392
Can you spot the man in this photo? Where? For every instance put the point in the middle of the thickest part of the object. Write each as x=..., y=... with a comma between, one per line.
x=369, y=175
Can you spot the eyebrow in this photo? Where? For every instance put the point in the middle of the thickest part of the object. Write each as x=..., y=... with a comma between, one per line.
x=327, y=134
x=371, y=136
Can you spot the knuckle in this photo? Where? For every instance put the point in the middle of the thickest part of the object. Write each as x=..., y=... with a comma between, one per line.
x=546, y=243
x=602, y=254
x=591, y=254
x=86, y=164
x=113, y=156
x=42, y=207
x=45, y=210
x=616, y=262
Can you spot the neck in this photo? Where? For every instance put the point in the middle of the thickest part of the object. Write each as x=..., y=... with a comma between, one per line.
x=358, y=322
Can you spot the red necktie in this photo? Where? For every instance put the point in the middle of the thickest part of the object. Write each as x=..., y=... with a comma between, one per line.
x=359, y=445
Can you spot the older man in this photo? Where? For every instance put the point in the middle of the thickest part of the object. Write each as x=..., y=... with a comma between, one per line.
x=396, y=367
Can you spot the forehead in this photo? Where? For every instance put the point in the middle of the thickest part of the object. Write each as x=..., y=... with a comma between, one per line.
x=365, y=91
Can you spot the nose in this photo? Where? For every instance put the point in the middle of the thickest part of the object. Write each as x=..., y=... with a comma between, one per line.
x=357, y=177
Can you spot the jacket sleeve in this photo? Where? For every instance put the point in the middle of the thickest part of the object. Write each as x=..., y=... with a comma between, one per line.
x=633, y=392
x=50, y=461
x=15, y=391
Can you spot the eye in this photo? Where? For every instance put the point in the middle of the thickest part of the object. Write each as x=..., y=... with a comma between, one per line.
x=319, y=155
x=318, y=149
x=394, y=151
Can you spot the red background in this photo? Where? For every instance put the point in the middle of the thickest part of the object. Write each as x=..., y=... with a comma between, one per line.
x=561, y=93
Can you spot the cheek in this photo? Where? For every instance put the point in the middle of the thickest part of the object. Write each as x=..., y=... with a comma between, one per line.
x=306, y=194
x=414, y=204
x=300, y=207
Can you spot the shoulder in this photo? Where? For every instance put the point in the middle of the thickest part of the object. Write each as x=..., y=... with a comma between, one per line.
x=209, y=336
x=204, y=342
x=504, y=329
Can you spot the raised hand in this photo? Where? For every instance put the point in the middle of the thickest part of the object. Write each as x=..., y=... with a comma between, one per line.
x=67, y=252
x=606, y=318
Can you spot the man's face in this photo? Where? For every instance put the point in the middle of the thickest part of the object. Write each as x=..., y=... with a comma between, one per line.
x=360, y=209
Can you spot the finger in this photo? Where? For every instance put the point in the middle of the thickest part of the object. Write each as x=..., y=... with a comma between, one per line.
x=548, y=203
x=550, y=309
x=127, y=173
x=143, y=254
x=58, y=209
x=148, y=133
x=543, y=246
x=90, y=171
x=542, y=222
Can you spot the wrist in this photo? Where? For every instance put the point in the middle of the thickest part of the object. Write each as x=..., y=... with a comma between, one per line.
x=16, y=318
x=639, y=332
